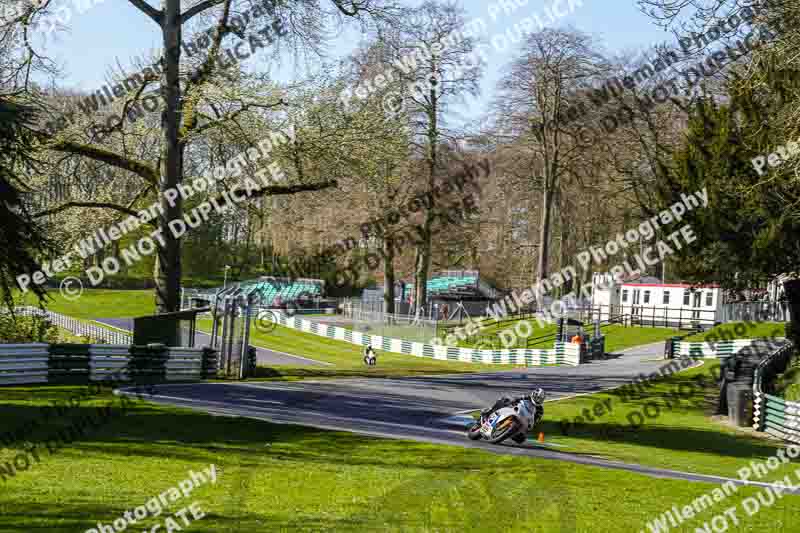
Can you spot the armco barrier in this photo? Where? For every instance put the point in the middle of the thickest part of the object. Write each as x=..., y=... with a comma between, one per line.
x=563, y=353
x=713, y=350
x=772, y=414
x=23, y=363
x=81, y=363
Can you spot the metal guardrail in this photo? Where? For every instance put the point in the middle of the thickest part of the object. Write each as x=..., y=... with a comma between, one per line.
x=78, y=327
x=82, y=363
x=771, y=414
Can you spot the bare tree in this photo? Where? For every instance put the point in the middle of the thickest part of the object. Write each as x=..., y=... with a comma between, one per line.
x=187, y=112
x=533, y=101
x=439, y=62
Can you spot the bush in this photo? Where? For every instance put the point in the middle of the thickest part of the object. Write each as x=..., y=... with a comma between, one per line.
x=16, y=329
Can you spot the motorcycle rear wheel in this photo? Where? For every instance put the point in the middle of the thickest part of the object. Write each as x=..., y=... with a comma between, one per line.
x=474, y=432
x=503, y=435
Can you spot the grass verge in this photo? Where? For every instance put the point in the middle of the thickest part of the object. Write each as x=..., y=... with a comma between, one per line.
x=619, y=337
x=67, y=337
x=346, y=357
x=740, y=330
x=288, y=478
x=665, y=422
x=101, y=303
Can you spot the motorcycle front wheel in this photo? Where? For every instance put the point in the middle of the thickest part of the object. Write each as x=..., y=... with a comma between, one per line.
x=474, y=432
x=504, y=433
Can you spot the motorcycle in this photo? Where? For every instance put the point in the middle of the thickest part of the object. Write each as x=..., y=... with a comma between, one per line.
x=512, y=418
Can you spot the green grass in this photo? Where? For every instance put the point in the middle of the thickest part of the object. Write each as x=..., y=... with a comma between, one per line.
x=618, y=337
x=101, y=303
x=346, y=357
x=787, y=385
x=740, y=330
x=792, y=391
x=489, y=333
x=67, y=337
x=682, y=437
x=288, y=478
x=411, y=333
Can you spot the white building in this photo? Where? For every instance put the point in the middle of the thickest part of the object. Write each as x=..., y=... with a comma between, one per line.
x=649, y=301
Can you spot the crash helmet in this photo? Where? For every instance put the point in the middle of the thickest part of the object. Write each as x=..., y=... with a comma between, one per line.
x=538, y=396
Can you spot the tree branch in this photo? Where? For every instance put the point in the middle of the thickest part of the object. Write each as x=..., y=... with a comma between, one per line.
x=156, y=14
x=275, y=190
x=195, y=129
x=91, y=205
x=139, y=168
x=199, y=8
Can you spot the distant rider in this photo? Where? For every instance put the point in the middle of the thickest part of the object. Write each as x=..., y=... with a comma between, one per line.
x=370, y=358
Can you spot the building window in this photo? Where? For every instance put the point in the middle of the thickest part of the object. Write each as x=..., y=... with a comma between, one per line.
x=624, y=295
x=646, y=297
x=686, y=297
x=709, y=298
x=666, y=297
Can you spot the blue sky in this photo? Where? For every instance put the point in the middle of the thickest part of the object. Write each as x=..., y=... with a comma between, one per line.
x=115, y=31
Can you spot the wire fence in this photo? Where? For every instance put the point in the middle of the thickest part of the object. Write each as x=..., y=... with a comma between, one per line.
x=406, y=327
x=78, y=327
x=756, y=311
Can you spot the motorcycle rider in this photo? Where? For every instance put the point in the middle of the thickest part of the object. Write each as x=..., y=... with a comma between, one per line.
x=530, y=417
x=370, y=358
x=536, y=396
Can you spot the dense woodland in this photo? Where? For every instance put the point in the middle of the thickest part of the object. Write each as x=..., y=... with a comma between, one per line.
x=582, y=143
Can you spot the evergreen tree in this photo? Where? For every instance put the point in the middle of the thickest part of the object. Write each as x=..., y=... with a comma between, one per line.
x=747, y=234
x=21, y=239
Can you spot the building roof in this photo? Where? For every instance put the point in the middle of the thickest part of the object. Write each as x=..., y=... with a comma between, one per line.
x=673, y=285
x=641, y=280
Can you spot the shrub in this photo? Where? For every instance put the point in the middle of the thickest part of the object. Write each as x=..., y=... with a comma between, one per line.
x=16, y=329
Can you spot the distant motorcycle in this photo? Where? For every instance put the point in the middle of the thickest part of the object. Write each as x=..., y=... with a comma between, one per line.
x=509, y=418
x=370, y=358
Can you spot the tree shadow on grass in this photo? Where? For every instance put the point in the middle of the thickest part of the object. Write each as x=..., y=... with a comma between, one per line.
x=666, y=437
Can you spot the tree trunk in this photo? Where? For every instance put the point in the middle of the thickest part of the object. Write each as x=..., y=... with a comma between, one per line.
x=421, y=266
x=388, y=275
x=168, y=274
x=792, y=289
x=423, y=256
x=544, y=236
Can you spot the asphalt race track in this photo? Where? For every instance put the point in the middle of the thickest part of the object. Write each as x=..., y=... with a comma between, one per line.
x=421, y=408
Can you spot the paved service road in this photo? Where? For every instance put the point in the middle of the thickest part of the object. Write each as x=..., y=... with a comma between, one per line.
x=264, y=356
x=420, y=408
